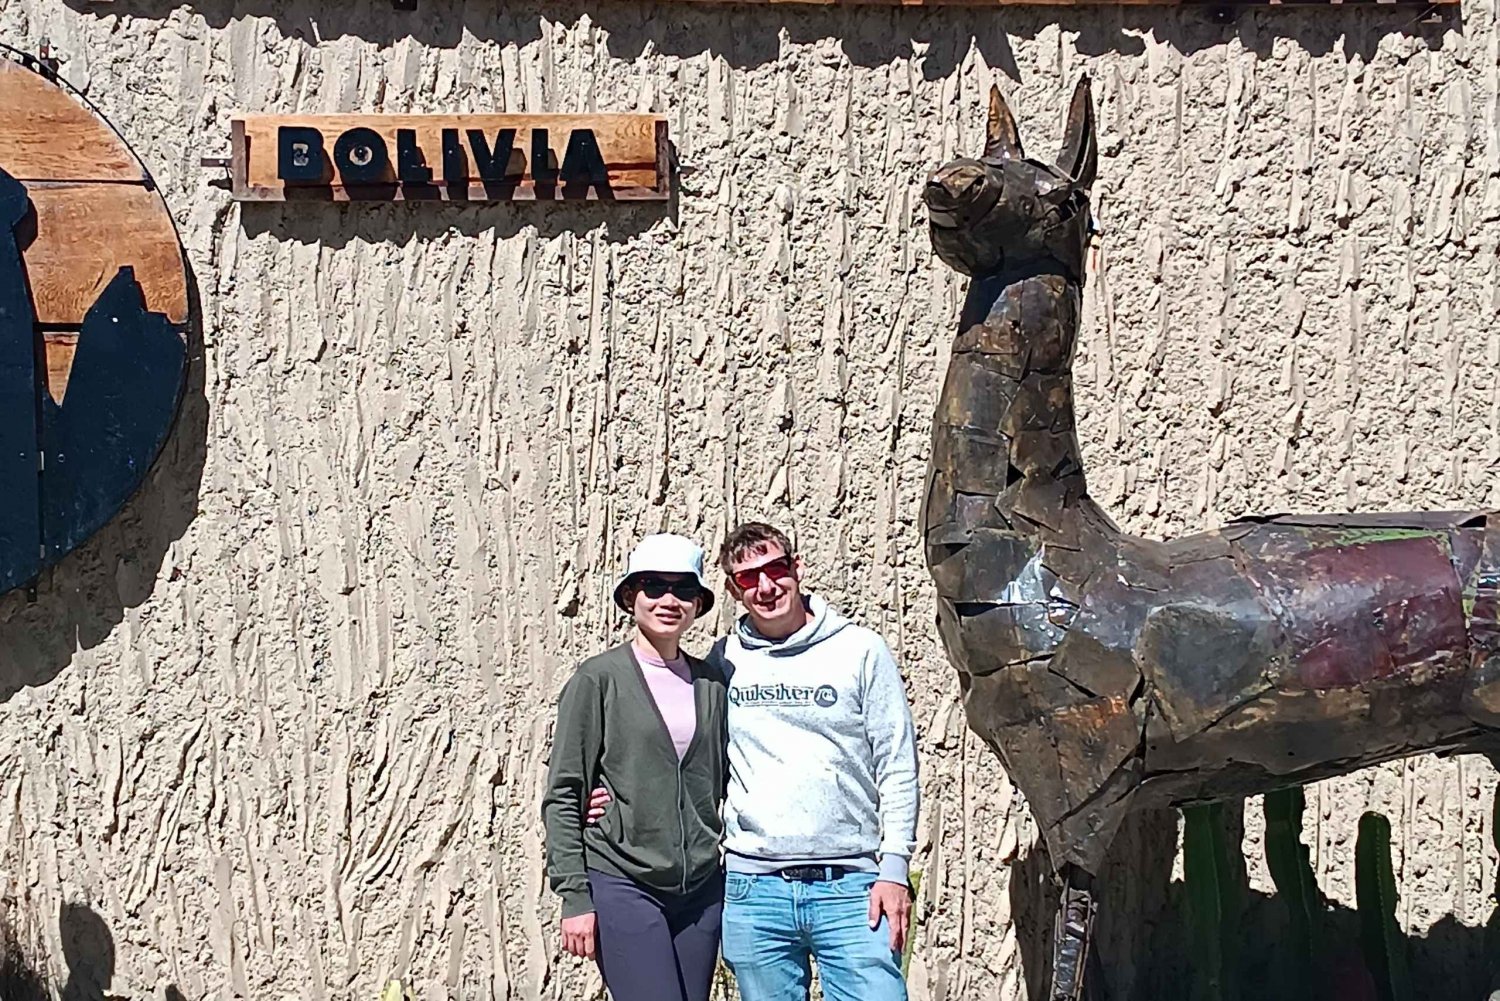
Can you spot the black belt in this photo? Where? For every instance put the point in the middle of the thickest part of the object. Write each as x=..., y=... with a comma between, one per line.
x=814, y=873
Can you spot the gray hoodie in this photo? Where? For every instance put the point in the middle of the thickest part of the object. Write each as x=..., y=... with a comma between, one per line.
x=822, y=758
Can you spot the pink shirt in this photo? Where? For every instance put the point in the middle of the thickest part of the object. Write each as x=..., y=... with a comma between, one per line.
x=671, y=684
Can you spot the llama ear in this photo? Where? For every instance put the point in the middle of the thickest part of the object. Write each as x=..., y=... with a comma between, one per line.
x=1001, y=139
x=1080, y=151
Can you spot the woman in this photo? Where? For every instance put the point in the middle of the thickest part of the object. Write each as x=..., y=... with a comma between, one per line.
x=642, y=891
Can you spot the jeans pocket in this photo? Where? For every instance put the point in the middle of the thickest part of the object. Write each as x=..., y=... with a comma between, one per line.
x=736, y=886
x=854, y=884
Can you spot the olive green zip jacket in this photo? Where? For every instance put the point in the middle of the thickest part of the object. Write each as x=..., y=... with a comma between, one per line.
x=662, y=825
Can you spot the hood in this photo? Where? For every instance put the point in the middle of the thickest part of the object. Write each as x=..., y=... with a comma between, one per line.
x=823, y=623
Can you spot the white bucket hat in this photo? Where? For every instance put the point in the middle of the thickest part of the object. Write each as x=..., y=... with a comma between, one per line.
x=666, y=553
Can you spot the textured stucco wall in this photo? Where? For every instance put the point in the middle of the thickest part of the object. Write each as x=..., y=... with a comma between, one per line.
x=282, y=725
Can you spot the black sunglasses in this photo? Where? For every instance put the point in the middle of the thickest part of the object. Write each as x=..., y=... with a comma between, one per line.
x=685, y=589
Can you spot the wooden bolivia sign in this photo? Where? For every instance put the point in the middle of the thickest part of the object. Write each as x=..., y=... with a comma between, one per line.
x=93, y=317
x=448, y=157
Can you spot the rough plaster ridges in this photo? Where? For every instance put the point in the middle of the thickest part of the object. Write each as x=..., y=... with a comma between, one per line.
x=283, y=724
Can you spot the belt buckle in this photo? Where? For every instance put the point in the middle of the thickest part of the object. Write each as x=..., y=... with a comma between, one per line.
x=809, y=873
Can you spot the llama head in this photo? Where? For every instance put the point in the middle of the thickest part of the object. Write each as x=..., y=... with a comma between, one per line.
x=1004, y=211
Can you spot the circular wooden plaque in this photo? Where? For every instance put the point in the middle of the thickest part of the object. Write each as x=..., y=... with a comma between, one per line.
x=93, y=322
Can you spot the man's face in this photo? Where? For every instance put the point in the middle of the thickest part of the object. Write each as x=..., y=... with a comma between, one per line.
x=768, y=583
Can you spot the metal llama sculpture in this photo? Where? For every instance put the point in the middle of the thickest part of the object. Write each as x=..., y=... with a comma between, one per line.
x=1113, y=673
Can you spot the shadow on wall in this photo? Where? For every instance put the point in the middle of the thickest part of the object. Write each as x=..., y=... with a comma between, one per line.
x=81, y=600
x=336, y=224
x=750, y=35
x=88, y=953
x=1145, y=938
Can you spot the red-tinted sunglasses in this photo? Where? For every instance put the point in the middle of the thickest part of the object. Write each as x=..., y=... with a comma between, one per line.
x=778, y=569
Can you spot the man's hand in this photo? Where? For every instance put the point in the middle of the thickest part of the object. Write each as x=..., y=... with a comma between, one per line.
x=578, y=935
x=894, y=901
x=597, y=801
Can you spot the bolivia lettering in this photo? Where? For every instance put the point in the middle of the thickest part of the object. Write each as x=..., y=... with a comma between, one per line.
x=361, y=156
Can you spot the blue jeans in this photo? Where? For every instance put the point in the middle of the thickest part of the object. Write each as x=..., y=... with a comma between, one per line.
x=772, y=926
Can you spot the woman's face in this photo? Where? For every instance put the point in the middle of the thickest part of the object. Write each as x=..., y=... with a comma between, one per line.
x=661, y=610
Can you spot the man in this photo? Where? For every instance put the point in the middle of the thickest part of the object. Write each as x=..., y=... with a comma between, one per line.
x=821, y=810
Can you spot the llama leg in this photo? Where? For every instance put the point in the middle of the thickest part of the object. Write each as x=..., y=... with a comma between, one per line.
x=1072, y=934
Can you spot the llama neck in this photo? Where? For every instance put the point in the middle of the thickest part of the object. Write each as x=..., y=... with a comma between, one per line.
x=1004, y=428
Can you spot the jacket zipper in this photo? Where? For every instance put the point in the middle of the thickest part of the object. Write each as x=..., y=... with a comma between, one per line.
x=682, y=827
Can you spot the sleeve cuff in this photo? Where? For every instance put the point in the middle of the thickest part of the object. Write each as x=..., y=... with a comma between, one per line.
x=575, y=903
x=895, y=869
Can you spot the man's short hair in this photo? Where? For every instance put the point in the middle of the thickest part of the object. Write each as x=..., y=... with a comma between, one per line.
x=750, y=537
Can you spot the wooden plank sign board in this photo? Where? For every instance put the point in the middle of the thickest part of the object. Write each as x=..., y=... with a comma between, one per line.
x=449, y=157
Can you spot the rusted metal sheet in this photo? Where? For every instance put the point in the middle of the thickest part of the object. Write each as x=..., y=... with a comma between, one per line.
x=1355, y=614
x=1209, y=646
x=973, y=457
x=1481, y=597
x=1099, y=651
x=1212, y=5
x=1015, y=693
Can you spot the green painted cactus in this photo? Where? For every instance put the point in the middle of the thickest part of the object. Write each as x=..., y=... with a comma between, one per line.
x=1215, y=901
x=1375, y=891
x=1290, y=865
x=911, y=924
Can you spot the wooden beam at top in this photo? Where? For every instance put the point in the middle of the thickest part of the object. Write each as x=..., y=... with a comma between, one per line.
x=1206, y=4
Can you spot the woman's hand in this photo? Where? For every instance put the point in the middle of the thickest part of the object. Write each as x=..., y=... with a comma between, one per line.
x=578, y=935
x=598, y=800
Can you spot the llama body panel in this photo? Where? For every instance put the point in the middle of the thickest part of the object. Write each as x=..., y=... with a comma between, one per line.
x=1376, y=636
x=1225, y=664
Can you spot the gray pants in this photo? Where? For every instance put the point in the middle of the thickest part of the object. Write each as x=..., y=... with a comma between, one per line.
x=654, y=947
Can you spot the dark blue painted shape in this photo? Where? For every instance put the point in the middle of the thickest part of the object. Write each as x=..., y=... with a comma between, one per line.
x=94, y=451
x=20, y=390
x=122, y=397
